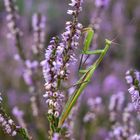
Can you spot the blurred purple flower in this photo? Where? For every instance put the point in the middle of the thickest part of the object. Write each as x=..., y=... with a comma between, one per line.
x=112, y=83
x=101, y=3
x=18, y=113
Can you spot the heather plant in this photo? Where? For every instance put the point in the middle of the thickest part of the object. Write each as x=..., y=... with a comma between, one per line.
x=133, y=79
x=59, y=56
x=65, y=101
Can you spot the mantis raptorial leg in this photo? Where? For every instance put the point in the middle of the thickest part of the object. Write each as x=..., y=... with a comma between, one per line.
x=89, y=36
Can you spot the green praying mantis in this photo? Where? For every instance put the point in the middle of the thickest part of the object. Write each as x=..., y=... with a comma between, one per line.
x=87, y=74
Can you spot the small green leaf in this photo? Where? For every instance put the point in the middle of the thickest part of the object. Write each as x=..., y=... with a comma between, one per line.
x=22, y=132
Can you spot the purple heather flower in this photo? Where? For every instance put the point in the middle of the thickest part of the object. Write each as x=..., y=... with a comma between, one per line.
x=116, y=101
x=27, y=76
x=31, y=65
x=56, y=136
x=73, y=3
x=95, y=106
x=133, y=79
x=115, y=105
x=39, y=27
x=125, y=128
x=70, y=39
x=28, y=72
x=114, y=81
x=135, y=137
x=0, y=98
x=18, y=113
x=12, y=23
x=51, y=67
x=12, y=18
x=19, y=116
x=7, y=124
x=58, y=55
x=129, y=79
x=89, y=117
x=101, y=3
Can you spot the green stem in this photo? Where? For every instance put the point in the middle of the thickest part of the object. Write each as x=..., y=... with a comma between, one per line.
x=19, y=47
x=22, y=132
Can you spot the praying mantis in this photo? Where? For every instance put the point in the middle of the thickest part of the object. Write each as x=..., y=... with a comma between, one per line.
x=87, y=74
